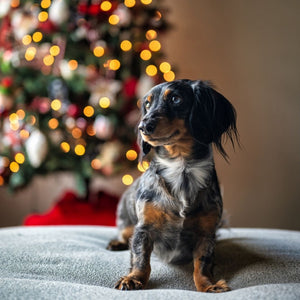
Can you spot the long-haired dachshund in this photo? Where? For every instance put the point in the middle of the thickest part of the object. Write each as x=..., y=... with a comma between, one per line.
x=175, y=207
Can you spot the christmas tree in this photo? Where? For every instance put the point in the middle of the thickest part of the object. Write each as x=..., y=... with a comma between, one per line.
x=72, y=74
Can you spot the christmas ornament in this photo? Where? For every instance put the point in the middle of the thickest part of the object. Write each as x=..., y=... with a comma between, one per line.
x=103, y=127
x=4, y=7
x=37, y=148
x=59, y=12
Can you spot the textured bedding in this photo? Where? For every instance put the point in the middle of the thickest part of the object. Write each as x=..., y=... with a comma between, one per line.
x=72, y=263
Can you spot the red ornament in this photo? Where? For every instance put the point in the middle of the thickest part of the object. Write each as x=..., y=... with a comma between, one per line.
x=73, y=111
x=129, y=87
x=7, y=82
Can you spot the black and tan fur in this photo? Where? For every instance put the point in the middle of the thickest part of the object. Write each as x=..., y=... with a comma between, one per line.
x=175, y=207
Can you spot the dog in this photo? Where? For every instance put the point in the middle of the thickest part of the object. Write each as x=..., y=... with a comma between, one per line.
x=175, y=207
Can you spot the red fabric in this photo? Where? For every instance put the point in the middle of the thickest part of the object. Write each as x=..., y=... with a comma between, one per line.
x=71, y=210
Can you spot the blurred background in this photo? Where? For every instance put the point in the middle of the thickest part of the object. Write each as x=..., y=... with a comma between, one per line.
x=248, y=49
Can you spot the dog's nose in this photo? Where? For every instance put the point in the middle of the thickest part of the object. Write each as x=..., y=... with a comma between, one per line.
x=147, y=127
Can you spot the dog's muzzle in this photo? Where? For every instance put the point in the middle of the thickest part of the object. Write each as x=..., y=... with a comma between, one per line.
x=147, y=126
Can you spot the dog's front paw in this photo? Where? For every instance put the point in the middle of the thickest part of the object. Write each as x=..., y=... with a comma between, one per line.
x=128, y=283
x=219, y=287
x=116, y=245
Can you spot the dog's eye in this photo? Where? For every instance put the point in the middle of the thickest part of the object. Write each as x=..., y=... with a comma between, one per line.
x=147, y=104
x=176, y=100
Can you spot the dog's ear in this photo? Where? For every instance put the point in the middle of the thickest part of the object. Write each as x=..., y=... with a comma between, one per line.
x=144, y=146
x=212, y=117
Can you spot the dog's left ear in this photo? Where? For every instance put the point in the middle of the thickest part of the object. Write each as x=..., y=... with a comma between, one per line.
x=212, y=117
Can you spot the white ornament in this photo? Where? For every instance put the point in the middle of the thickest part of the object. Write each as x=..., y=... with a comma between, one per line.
x=144, y=85
x=4, y=7
x=37, y=148
x=59, y=12
x=103, y=127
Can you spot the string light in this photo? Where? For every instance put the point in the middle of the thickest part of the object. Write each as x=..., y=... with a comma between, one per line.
x=126, y=45
x=48, y=60
x=73, y=64
x=145, y=55
x=154, y=45
x=131, y=155
x=30, y=53
x=105, y=5
x=76, y=133
x=129, y=3
x=114, y=64
x=14, y=167
x=90, y=130
x=56, y=104
x=65, y=147
x=98, y=51
x=53, y=123
x=165, y=67
x=31, y=120
x=26, y=40
x=24, y=134
x=20, y=158
x=96, y=164
x=21, y=114
x=146, y=2
x=127, y=179
x=54, y=50
x=104, y=102
x=79, y=150
x=151, y=34
x=142, y=167
x=13, y=118
x=169, y=76
x=151, y=70
x=45, y=3
x=88, y=111
x=43, y=16
x=37, y=36
x=113, y=19
x=14, y=3
x=1, y=180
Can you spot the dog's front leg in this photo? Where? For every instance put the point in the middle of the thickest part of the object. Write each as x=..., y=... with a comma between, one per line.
x=141, y=248
x=202, y=268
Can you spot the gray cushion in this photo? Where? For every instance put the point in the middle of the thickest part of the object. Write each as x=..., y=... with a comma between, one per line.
x=72, y=263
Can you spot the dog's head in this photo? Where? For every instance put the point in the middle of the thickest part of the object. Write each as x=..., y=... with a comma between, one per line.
x=186, y=112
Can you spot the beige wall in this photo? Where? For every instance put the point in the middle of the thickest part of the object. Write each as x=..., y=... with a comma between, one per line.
x=251, y=51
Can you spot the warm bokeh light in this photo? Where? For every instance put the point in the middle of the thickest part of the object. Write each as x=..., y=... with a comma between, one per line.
x=5, y=162
x=98, y=51
x=154, y=45
x=53, y=123
x=113, y=19
x=88, y=111
x=21, y=114
x=14, y=3
x=96, y=164
x=43, y=16
x=142, y=167
x=165, y=67
x=145, y=55
x=45, y=3
x=20, y=158
x=24, y=134
x=131, y=155
x=14, y=167
x=151, y=70
x=56, y=104
x=31, y=120
x=30, y=53
x=151, y=34
x=129, y=3
x=26, y=40
x=127, y=179
x=114, y=64
x=76, y=133
x=65, y=147
x=48, y=60
x=126, y=45
x=169, y=76
x=90, y=130
x=146, y=2
x=1, y=180
x=37, y=36
x=79, y=150
x=54, y=50
x=104, y=102
x=105, y=5
x=73, y=64
x=13, y=118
